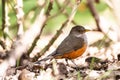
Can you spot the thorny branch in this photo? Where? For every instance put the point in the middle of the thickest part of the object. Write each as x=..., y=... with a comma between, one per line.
x=2, y=44
x=3, y=23
x=38, y=37
x=3, y=16
x=94, y=13
x=62, y=9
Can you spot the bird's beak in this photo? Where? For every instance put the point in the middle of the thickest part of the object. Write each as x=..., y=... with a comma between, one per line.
x=86, y=30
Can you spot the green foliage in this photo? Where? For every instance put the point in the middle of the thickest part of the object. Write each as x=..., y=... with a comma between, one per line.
x=79, y=76
x=29, y=5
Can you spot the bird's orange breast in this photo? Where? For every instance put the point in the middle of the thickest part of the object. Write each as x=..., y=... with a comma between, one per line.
x=73, y=54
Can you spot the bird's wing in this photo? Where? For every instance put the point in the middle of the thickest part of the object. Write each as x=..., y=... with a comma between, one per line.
x=68, y=45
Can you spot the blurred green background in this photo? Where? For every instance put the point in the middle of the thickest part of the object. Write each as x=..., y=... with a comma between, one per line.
x=31, y=10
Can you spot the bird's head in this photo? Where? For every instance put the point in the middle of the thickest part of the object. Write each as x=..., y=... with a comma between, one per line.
x=79, y=29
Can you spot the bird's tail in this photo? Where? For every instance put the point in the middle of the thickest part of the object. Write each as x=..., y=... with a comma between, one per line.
x=44, y=59
x=50, y=56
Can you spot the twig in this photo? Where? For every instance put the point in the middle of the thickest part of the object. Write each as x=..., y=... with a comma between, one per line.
x=36, y=9
x=94, y=13
x=5, y=24
x=2, y=44
x=49, y=8
x=3, y=17
x=21, y=45
x=35, y=40
x=51, y=41
x=38, y=37
x=20, y=15
x=62, y=10
x=65, y=24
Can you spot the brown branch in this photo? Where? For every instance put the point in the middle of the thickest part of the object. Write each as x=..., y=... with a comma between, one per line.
x=63, y=9
x=94, y=13
x=49, y=8
x=3, y=24
x=3, y=17
x=35, y=40
x=2, y=43
x=39, y=35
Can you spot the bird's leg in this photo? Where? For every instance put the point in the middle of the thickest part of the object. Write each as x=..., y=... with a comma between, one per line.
x=67, y=62
x=77, y=67
x=74, y=63
x=71, y=61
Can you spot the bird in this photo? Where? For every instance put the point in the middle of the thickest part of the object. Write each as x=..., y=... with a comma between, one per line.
x=73, y=46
